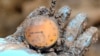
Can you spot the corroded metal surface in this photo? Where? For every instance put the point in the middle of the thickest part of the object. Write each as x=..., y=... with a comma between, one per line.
x=42, y=33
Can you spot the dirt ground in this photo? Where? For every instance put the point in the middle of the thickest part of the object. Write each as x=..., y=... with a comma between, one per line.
x=13, y=12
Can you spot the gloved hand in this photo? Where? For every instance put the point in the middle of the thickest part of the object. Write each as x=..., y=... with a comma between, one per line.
x=76, y=46
x=74, y=34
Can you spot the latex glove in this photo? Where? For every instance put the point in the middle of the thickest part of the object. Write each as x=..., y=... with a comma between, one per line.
x=76, y=46
x=76, y=38
x=8, y=48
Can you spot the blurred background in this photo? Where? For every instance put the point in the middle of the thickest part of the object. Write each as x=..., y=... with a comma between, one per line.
x=13, y=12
